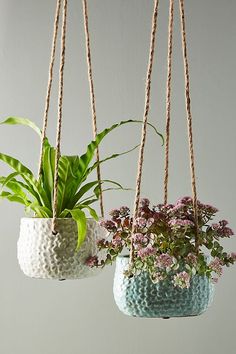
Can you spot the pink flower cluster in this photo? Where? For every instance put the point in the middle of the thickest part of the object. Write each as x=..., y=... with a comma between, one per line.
x=216, y=266
x=92, y=261
x=180, y=222
x=163, y=240
x=146, y=251
x=222, y=230
x=140, y=240
x=191, y=259
x=164, y=261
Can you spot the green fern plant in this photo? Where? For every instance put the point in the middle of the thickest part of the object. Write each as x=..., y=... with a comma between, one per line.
x=75, y=193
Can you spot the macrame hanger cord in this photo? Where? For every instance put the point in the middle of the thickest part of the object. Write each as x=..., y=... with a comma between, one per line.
x=49, y=87
x=189, y=120
x=92, y=98
x=168, y=98
x=59, y=120
x=145, y=119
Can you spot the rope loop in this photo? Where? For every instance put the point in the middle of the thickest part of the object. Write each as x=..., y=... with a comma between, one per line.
x=49, y=87
x=145, y=119
x=92, y=98
x=168, y=97
x=59, y=119
x=189, y=120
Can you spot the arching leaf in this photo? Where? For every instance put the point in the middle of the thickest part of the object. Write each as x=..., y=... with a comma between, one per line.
x=22, y=121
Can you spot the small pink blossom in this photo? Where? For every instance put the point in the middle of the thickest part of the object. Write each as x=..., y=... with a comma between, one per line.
x=214, y=280
x=157, y=277
x=164, y=261
x=182, y=280
x=140, y=238
x=117, y=241
x=223, y=223
x=180, y=222
x=92, y=261
x=191, y=259
x=215, y=226
x=216, y=266
x=115, y=213
x=101, y=243
x=209, y=208
x=184, y=200
x=222, y=230
x=178, y=207
x=144, y=202
x=227, y=232
x=146, y=251
x=150, y=222
x=124, y=211
x=233, y=256
x=109, y=225
x=141, y=222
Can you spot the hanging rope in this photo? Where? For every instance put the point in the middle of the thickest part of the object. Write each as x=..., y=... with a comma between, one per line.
x=49, y=87
x=168, y=98
x=92, y=97
x=59, y=121
x=145, y=118
x=189, y=119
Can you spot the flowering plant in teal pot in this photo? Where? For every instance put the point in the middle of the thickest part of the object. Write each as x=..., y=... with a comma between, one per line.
x=168, y=276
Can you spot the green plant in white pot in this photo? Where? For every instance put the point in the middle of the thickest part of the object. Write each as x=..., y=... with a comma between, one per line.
x=41, y=253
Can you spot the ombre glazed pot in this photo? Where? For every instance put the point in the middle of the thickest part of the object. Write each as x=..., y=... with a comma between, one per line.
x=41, y=254
x=140, y=297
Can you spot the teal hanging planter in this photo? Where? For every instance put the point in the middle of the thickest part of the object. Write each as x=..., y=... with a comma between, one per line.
x=140, y=297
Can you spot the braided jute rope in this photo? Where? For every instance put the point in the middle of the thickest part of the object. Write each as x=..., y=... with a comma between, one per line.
x=92, y=97
x=59, y=121
x=145, y=119
x=189, y=120
x=168, y=98
x=49, y=87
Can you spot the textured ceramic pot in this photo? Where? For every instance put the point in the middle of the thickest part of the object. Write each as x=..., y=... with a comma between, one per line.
x=44, y=255
x=140, y=297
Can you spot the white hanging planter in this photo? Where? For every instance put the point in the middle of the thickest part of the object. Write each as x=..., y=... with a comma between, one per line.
x=41, y=254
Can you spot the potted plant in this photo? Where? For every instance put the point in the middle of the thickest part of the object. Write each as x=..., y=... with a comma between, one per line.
x=168, y=276
x=42, y=254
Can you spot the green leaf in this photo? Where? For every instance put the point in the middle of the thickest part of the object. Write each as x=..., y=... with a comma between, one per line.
x=66, y=184
x=15, y=164
x=48, y=169
x=113, y=156
x=14, y=198
x=27, y=175
x=97, y=190
x=80, y=218
x=40, y=211
x=85, y=159
x=153, y=127
x=17, y=187
x=22, y=121
x=7, y=179
x=86, y=187
x=91, y=211
x=89, y=200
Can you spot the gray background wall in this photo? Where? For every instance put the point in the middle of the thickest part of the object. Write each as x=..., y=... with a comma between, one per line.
x=46, y=317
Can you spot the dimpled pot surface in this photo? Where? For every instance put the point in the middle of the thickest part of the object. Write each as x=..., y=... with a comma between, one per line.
x=139, y=296
x=44, y=255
